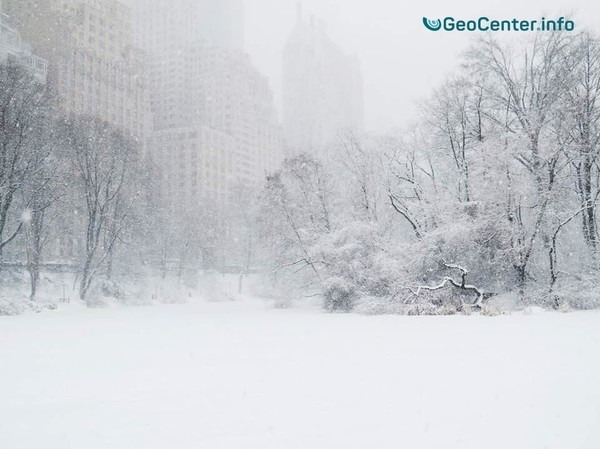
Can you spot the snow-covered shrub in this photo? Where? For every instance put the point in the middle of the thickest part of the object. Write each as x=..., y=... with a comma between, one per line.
x=448, y=309
x=422, y=308
x=565, y=308
x=105, y=292
x=13, y=307
x=278, y=290
x=283, y=303
x=580, y=294
x=339, y=295
x=466, y=310
x=540, y=297
x=111, y=289
x=358, y=265
x=491, y=310
x=97, y=302
x=506, y=302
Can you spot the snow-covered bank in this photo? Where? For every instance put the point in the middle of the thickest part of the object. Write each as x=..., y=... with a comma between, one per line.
x=243, y=375
x=57, y=289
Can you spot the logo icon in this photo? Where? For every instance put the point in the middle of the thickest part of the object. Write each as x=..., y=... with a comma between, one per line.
x=432, y=25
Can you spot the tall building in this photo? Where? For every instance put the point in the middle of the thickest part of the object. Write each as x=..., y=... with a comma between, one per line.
x=215, y=126
x=14, y=50
x=322, y=89
x=92, y=66
x=162, y=26
x=91, y=60
x=208, y=100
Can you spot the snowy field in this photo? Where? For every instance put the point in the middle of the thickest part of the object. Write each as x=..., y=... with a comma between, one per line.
x=243, y=375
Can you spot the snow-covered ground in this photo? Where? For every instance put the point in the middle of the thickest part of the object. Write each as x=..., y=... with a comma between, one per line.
x=244, y=375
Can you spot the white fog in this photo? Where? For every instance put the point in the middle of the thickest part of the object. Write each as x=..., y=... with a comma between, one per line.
x=318, y=224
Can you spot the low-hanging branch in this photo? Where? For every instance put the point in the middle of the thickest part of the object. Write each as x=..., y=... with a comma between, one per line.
x=462, y=285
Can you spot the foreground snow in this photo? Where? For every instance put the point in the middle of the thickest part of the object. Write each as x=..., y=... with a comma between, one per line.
x=241, y=375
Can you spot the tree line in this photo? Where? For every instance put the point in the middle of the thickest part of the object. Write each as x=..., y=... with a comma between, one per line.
x=89, y=196
x=59, y=173
x=493, y=191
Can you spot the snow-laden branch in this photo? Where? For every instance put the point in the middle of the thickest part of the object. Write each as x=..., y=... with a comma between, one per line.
x=462, y=285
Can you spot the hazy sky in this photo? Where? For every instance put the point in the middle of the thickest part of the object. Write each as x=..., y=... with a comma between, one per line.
x=401, y=60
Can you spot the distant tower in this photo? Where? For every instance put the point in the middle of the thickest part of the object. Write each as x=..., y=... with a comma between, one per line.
x=322, y=88
x=213, y=118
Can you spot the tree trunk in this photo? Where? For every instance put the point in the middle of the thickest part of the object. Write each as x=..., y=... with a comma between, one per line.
x=589, y=215
x=35, y=277
x=35, y=248
x=240, y=282
x=85, y=279
x=521, y=280
x=109, y=265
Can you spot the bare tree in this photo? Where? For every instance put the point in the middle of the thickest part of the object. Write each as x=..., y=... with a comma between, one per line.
x=527, y=86
x=455, y=112
x=295, y=210
x=362, y=163
x=103, y=159
x=582, y=111
x=24, y=114
x=525, y=89
x=41, y=193
x=243, y=230
x=411, y=176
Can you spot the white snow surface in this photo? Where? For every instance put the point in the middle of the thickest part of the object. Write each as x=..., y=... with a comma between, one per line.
x=244, y=375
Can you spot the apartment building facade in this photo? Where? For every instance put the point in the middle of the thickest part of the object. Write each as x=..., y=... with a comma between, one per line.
x=13, y=49
x=203, y=84
x=322, y=89
x=92, y=63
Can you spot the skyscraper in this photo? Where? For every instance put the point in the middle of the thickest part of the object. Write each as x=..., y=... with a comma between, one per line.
x=91, y=61
x=322, y=89
x=213, y=115
x=214, y=126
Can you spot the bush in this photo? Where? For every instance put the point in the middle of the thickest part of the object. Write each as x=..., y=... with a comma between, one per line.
x=283, y=303
x=490, y=310
x=112, y=289
x=13, y=307
x=339, y=296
